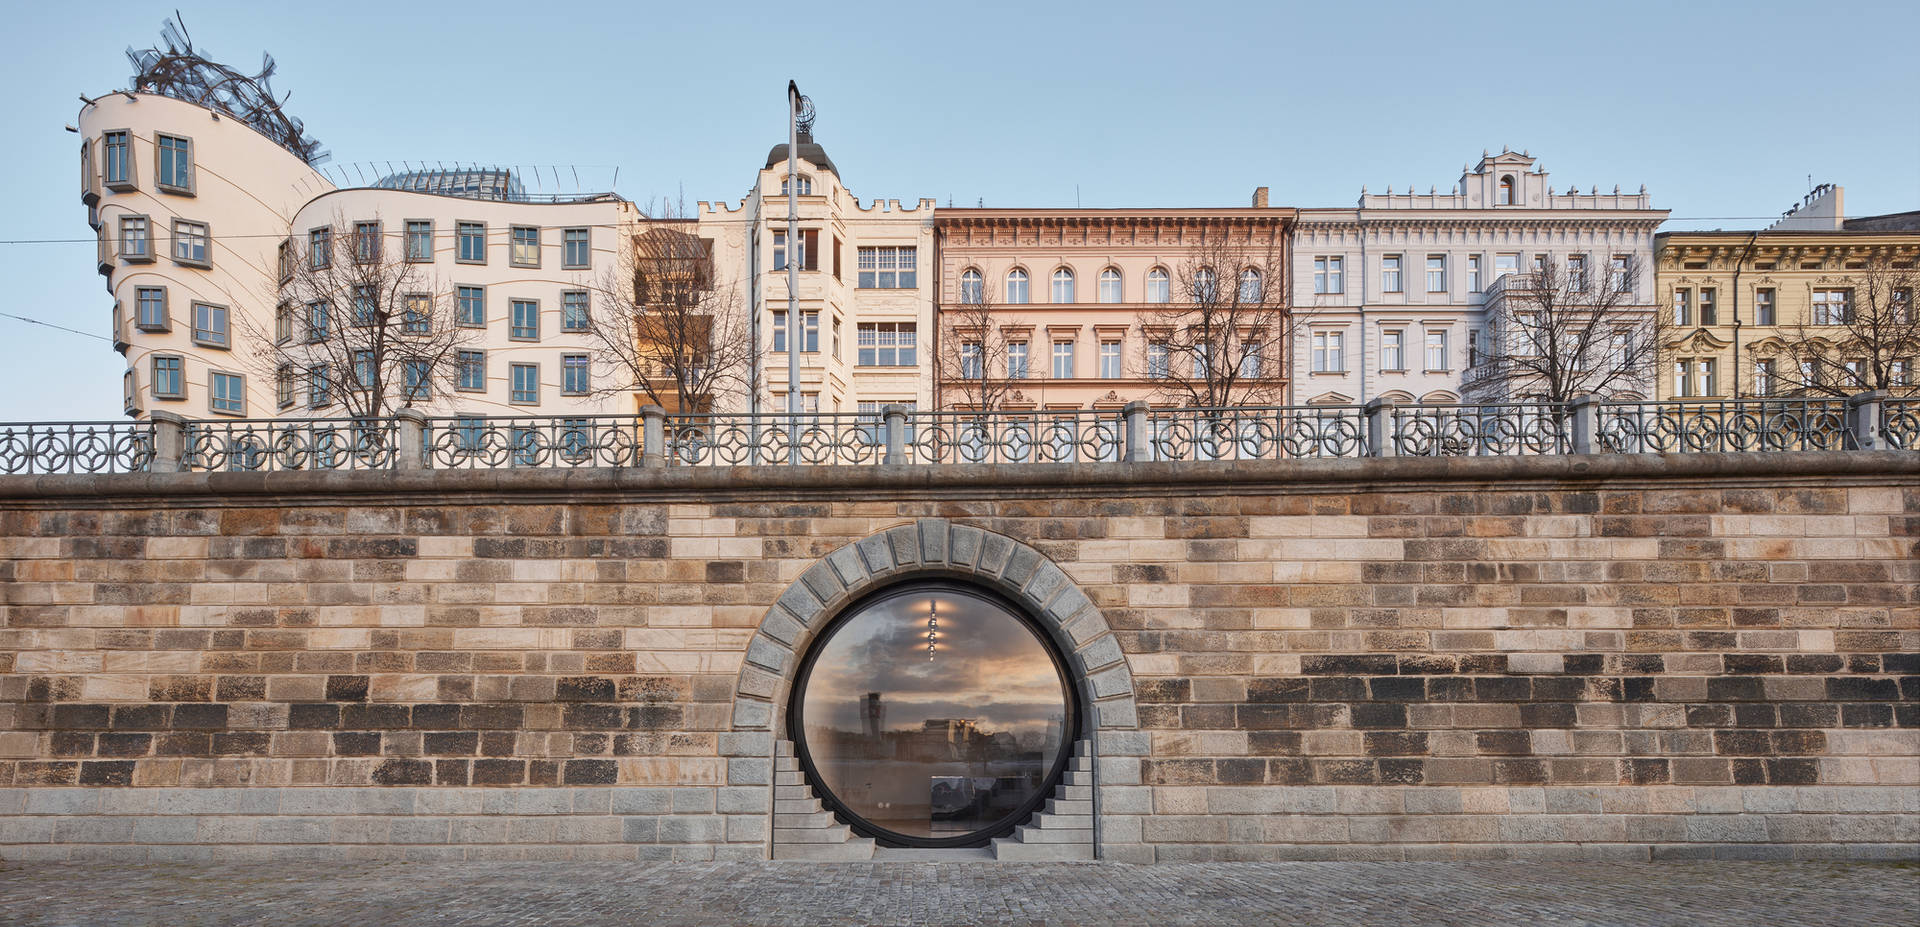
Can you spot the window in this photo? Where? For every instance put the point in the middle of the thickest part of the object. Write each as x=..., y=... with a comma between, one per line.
x=366, y=242
x=119, y=159
x=1763, y=380
x=1016, y=360
x=803, y=188
x=1205, y=286
x=365, y=307
x=525, y=387
x=809, y=331
x=573, y=311
x=472, y=241
x=884, y=344
x=286, y=260
x=525, y=322
x=1475, y=283
x=134, y=242
x=1900, y=305
x=470, y=306
x=365, y=372
x=1577, y=271
x=1504, y=264
x=1622, y=270
x=283, y=323
x=319, y=386
x=1109, y=286
x=1505, y=196
x=419, y=240
x=1709, y=312
x=1830, y=307
x=574, y=375
x=972, y=293
x=1436, y=273
x=417, y=376
x=1063, y=360
x=1251, y=292
x=190, y=242
x=175, y=174
x=1393, y=352
x=470, y=371
x=168, y=381
x=971, y=367
x=809, y=246
x=228, y=395
x=1709, y=379
x=836, y=338
x=283, y=386
x=1539, y=263
x=1436, y=351
x=1110, y=360
x=1683, y=306
x=1017, y=287
x=210, y=325
x=1329, y=354
x=1696, y=377
x=1390, y=274
x=417, y=317
x=1683, y=378
x=576, y=248
x=1620, y=351
x=884, y=268
x=1157, y=360
x=319, y=321
x=1158, y=289
x=319, y=248
x=1062, y=291
x=1473, y=347
x=525, y=250
x=1249, y=360
x=1327, y=277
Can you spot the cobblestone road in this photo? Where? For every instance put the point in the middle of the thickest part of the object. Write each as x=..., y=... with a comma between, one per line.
x=948, y=893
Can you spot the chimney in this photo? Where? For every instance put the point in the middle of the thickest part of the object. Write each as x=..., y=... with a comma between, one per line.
x=1259, y=197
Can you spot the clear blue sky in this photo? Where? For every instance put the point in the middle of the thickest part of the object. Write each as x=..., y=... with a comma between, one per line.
x=1721, y=109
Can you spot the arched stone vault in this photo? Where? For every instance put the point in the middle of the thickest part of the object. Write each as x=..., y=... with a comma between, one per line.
x=934, y=548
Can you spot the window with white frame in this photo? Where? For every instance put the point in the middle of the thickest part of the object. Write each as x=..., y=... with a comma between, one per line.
x=1205, y=287
x=470, y=371
x=1622, y=270
x=1436, y=350
x=227, y=394
x=1017, y=291
x=1159, y=289
x=135, y=240
x=366, y=373
x=1016, y=360
x=169, y=376
x=1763, y=379
x=809, y=331
x=1763, y=306
x=887, y=268
x=1436, y=273
x=1109, y=286
x=885, y=344
x=575, y=375
x=471, y=242
x=190, y=242
x=1620, y=351
x=576, y=248
x=1577, y=271
x=470, y=306
x=1683, y=306
x=524, y=385
x=1328, y=274
x=1329, y=352
x=1475, y=283
x=971, y=367
x=524, y=320
x=1390, y=274
x=1507, y=263
x=1832, y=307
x=175, y=167
x=1157, y=363
x=210, y=325
x=150, y=309
x=525, y=249
x=1250, y=360
x=1062, y=291
x=1709, y=308
x=803, y=188
x=1393, y=351
x=419, y=240
x=416, y=377
x=1251, y=289
x=1063, y=360
x=573, y=311
x=1110, y=359
x=972, y=293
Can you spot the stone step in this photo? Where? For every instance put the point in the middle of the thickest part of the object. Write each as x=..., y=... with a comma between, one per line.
x=786, y=764
x=1015, y=852
x=925, y=855
x=790, y=777
x=783, y=748
x=1074, y=793
x=1059, y=806
x=1030, y=834
x=1080, y=764
x=860, y=849
x=792, y=792
x=796, y=805
x=803, y=821
x=838, y=833
x=1069, y=778
x=1063, y=821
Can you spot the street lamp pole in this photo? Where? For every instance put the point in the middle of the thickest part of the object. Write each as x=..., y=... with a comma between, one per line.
x=794, y=103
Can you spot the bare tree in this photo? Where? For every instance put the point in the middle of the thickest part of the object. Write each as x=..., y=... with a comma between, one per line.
x=1866, y=339
x=1564, y=331
x=360, y=325
x=974, y=355
x=667, y=326
x=1221, y=339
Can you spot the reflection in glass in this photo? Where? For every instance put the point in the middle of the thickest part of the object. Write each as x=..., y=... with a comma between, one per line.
x=933, y=714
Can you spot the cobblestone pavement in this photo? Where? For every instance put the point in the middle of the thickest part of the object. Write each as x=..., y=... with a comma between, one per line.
x=1209, y=894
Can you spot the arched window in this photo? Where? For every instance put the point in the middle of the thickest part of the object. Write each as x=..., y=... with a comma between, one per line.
x=1157, y=289
x=1110, y=285
x=971, y=291
x=1017, y=287
x=1250, y=290
x=806, y=185
x=1506, y=190
x=1062, y=286
x=1206, y=285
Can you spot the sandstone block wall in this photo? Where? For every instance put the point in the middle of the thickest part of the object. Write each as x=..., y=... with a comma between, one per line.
x=1713, y=656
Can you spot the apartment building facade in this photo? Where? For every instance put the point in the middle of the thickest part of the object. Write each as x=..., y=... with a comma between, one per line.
x=1399, y=296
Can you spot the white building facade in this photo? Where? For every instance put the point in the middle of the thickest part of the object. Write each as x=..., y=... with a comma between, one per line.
x=1394, y=297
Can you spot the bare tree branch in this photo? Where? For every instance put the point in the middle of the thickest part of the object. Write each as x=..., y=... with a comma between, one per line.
x=1565, y=331
x=1866, y=340
x=973, y=357
x=1227, y=324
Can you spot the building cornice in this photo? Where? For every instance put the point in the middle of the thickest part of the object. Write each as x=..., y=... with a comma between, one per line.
x=1037, y=218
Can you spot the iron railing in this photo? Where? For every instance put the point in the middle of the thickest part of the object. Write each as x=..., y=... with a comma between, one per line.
x=411, y=440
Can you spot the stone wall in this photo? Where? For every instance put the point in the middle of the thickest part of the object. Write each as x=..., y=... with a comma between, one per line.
x=1600, y=656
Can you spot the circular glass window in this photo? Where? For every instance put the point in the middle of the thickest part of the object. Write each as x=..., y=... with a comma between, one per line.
x=933, y=716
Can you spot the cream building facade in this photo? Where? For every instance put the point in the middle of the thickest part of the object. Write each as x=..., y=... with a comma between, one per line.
x=1396, y=296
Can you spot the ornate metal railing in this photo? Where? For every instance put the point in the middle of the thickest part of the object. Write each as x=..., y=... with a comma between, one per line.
x=1257, y=433
x=76, y=447
x=290, y=444
x=472, y=442
x=1688, y=426
x=1483, y=430
x=410, y=440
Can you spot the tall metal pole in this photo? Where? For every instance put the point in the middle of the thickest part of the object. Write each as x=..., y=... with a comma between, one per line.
x=793, y=273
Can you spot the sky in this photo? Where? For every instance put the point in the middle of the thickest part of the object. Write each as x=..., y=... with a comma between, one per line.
x=1724, y=110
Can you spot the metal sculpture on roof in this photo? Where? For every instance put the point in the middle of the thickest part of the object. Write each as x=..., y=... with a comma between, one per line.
x=180, y=71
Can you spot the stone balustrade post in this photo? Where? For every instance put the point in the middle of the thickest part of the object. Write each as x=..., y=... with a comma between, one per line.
x=653, y=436
x=1584, y=421
x=1380, y=442
x=169, y=442
x=1134, y=437
x=896, y=433
x=410, y=439
x=1865, y=414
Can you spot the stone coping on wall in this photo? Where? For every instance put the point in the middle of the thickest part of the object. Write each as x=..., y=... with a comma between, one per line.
x=966, y=480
